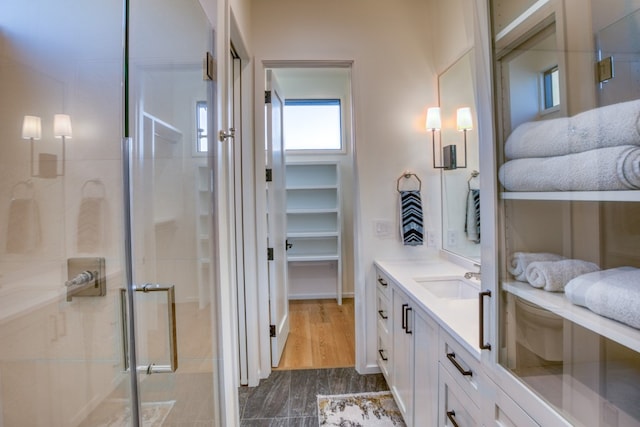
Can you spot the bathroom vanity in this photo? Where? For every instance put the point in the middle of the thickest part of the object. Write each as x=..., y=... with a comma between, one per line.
x=428, y=347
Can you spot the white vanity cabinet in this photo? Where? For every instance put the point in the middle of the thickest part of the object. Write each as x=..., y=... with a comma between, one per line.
x=407, y=352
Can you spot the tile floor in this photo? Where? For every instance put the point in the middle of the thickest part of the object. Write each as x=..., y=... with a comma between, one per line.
x=288, y=398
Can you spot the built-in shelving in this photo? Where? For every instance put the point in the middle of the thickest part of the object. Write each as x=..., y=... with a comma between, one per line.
x=203, y=224
x=558, y=304
x=314, y=228
x=595, y=196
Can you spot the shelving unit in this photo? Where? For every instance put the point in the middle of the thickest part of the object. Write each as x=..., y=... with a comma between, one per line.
x=314, y=230
x=203, y=223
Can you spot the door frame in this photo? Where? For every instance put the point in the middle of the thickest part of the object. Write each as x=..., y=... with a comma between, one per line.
x=260, y=318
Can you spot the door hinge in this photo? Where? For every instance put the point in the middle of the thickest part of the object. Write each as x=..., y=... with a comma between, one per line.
x=604, y=69
x=269, y=254
x=269, y=175
x=209, y=67
x=272, y=331
x=267, y=97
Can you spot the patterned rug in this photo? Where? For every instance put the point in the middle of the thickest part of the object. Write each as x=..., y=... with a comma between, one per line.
x=363, y=409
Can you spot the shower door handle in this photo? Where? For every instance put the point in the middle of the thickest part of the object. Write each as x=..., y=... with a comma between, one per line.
x=153, y=368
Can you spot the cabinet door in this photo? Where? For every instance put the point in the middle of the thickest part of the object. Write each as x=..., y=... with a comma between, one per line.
x=425, y=370
x=402, y=361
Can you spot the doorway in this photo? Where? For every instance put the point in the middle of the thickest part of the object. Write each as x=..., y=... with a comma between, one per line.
x=319, y=191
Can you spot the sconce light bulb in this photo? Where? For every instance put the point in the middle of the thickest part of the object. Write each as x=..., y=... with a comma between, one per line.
x=31, y=128
x=433, y=121
x=62, y=126
x=464, y=121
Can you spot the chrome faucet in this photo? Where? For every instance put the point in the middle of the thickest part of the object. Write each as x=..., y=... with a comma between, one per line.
x=473, y=275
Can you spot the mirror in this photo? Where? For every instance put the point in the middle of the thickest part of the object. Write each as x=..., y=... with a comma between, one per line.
x=460, y=187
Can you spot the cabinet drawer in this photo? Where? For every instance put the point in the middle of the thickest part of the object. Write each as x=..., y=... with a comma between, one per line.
x=384, y=355
x=455, y=407
x=383, y=283
x=383, y=312
x=461, y=365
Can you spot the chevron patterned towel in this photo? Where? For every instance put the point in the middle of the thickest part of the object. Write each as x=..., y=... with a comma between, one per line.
x=412, y=230
x=472, y=219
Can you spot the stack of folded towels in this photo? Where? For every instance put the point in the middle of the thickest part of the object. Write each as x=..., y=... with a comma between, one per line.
x=612, y=293
x=547, y=271
x=595, y=150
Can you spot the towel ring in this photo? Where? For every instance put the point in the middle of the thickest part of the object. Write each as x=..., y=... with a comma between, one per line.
x=28, y=187
x=95, y=182
x=474, y=174
x=408, y=176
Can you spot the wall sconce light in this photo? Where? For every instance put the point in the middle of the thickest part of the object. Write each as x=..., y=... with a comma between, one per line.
x=32, y=130
x=449, y=155
x=434, y=123
x=62, y=130
x=464, y=123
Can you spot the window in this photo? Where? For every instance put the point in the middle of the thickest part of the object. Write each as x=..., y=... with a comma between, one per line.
x=312, y=124
x=551, y=85
x=202, y=145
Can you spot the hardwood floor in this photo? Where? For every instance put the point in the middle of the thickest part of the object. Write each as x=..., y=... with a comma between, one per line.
x=321, y=335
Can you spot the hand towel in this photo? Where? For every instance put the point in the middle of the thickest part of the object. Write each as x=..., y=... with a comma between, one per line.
x=519, y=261
x=472, y=218
x=412, y=230
x=612, y=293
x=613, y=168
x=554, y=275
x=90, y=230
x=23, y=231
x=608, y=126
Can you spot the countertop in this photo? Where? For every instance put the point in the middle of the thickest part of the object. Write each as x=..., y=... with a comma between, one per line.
x=459, y=317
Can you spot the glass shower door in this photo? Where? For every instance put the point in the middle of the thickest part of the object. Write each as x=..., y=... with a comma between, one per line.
x=171, y=213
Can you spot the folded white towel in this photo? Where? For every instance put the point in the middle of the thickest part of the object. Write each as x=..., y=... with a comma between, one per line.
x=519, y=261
x=613, y=293
x=609, y=126
x=554, y=275
x=613, y=168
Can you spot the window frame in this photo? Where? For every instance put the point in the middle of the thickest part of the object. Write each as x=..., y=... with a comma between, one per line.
x=319, y=101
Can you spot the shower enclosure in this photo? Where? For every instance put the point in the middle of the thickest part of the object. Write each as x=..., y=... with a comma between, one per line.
x=106, y=319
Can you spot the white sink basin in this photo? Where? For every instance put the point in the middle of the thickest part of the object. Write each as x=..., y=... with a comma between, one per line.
x=454, y=288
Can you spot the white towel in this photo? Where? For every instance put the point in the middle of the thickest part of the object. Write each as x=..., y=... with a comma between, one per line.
x=472, y=218
x=609, y=126
x=554, y=275
x=613, y=168
x=91, y=227
x=613, y=293
x=519, y=261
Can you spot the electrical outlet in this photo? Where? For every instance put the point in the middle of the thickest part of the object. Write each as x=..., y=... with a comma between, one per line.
x=431, y=239
x=452, y=238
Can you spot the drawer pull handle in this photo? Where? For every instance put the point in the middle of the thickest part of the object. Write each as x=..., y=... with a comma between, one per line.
x=384, y=359
x=382, y=282
x=483, y=344
x=452, y=417
x=406, y=314
x=381, y=313
x=452, y=359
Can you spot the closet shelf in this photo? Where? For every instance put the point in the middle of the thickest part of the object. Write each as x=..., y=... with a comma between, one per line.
x=312, y=211
x=312, y=234
x=311, y=257
x=557, y=303
x=595, y=196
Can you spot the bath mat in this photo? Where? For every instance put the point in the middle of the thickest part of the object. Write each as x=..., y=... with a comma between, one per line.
x=362, y=409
